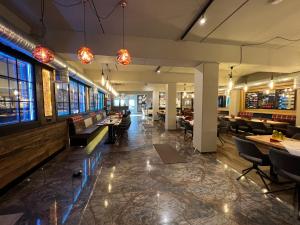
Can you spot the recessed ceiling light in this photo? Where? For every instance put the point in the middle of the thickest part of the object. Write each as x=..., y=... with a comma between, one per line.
x=202, y=20
x=275, y=2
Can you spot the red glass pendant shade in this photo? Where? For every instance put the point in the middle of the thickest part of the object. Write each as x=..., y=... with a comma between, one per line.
x=43, y=54
x=85, y=55
x=123, y=57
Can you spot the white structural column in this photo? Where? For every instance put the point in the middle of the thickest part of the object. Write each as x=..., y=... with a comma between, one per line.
x=297, y=87
x=155, y=103
x=170, y=123
x=298, y=108
x=205, y=107
x=235, y=102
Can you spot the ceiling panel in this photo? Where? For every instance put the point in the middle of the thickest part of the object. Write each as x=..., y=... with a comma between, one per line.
x=256, y=21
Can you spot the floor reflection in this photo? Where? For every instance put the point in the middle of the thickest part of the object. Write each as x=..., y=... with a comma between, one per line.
x=52, y=194
x=127, y=184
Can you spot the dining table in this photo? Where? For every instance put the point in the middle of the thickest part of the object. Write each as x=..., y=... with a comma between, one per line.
x=265, y=121
x=289, y=144
x=111, y=122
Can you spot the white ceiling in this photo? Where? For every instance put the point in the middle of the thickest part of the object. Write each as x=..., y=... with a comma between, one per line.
x=257, y=21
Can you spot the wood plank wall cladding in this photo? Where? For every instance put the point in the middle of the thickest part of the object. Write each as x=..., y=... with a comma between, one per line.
x=21, y=152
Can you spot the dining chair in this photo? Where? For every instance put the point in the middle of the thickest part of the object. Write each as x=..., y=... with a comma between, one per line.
x=288, y=166
x=188, y=129
x=292, y=130
x=248, y=151
x=296, y=136
x=181, y=123
x=242, y=125
x=259, y=128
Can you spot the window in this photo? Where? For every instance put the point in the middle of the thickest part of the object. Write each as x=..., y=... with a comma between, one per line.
x=62, y=99
x=87, y=98
x=74, y=97
x=100, y=101
x=116, y=102
x=92, y=99
x=17, y=100
x=81, y=98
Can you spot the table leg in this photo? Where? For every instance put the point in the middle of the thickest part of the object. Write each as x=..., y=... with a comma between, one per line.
x=111, y=135
x=273, y=175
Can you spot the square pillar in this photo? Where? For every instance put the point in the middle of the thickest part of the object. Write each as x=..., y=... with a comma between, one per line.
x=170, y=122
x=297, y=87
x=205, y=107
x=235, y=102
x=298, y=107
x=155, y=104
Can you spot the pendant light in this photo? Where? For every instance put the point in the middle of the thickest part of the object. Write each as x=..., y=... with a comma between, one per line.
x=230, y=82
x=85, y=54
x=123, y=56
x=295, y=84
x=102, y=78
x=40, y=52
x=246, y=86
x=271, y=84
x=107, y=84
x=184, y=92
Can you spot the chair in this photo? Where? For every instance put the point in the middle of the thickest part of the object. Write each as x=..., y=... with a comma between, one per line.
x=223, y=127
x=259, y=128
x=296, y=136
x=181, y=123
x=188, y=129
x=242, y=125
x=251, y=153
x=288, y=166
x=292, y=130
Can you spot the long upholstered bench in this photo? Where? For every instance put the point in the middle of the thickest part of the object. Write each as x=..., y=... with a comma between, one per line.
x=83, y=129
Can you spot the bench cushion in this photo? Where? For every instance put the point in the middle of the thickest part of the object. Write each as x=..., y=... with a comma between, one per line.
x=88, y=122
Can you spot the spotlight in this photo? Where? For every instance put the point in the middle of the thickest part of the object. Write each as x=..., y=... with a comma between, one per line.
x=158, y=70
x=202, y=20
x=275, y=2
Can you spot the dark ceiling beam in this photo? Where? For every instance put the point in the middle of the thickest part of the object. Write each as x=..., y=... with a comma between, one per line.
x=196, y=19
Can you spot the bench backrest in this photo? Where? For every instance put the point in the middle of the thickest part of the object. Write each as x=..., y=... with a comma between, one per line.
x=284, y=118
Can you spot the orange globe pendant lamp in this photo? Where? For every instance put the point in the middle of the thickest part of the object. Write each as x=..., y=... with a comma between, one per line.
x=85, y=54
x=40, y=52
x=43, y=54
x=123, y=56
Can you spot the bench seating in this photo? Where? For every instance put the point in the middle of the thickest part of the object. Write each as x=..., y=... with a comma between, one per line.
x=247, y=115
x=83, y=129
x=291, y=119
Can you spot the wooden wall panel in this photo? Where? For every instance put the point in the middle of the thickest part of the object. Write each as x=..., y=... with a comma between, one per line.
x=20, y=152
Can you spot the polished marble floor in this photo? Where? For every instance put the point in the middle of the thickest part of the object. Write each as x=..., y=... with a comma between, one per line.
x=127, y=184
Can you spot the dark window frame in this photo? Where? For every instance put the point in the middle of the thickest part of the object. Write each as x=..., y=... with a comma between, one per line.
x=19, y=58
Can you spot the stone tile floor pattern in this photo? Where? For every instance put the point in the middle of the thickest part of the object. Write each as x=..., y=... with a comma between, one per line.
x=127, y=184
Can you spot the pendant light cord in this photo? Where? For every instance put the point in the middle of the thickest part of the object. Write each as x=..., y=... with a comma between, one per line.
x=42, y=21
x=123, y=26
x=84, y=31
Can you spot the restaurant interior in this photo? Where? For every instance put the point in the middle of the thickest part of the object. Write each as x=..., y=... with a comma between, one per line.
x=132, y=112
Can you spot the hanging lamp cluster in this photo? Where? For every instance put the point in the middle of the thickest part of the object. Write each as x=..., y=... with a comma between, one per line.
x=84, y=53
x=40, y=52
x=123, y=56
x=106, y=83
